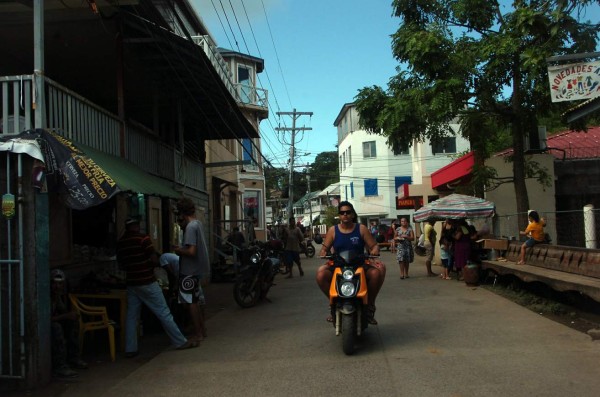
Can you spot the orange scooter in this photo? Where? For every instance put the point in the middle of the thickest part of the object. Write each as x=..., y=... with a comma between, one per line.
x=348, y=296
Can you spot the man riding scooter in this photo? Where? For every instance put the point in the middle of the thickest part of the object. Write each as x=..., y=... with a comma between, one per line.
x=349, y=235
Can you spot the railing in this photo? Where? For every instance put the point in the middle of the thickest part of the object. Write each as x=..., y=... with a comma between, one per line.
x=81, y=120
x=217, y=61
x=250, y=95
x=86, y=123
x=245, y=94
x=565, y=227
x=16, y=111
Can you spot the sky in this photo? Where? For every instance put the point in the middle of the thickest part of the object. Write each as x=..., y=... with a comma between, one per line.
x=317, y=55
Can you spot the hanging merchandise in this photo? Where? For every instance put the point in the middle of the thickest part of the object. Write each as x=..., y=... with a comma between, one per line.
x=8, y=205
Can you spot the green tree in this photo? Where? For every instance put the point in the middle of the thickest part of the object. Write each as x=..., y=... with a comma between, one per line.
x=481, y=61
x=324, y=170
x=275, y=180
x=330, y=217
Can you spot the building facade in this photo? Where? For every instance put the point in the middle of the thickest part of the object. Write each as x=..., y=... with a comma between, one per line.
x=134, y=99
x=372, y=173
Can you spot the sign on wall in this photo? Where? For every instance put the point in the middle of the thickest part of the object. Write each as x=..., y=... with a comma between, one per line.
x=409, y=203
x=574, y=81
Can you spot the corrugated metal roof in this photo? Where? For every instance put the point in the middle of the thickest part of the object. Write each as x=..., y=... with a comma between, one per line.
x=571, y=144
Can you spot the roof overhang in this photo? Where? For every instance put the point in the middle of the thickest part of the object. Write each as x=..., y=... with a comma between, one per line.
x=582, y=110
x=162, y=71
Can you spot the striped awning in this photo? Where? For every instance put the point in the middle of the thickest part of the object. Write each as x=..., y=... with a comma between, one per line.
x=455, y=206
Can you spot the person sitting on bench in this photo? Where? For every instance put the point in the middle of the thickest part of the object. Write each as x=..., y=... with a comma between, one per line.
x=534, y=233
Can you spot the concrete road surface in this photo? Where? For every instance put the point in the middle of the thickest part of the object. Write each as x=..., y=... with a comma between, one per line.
x=435, y=338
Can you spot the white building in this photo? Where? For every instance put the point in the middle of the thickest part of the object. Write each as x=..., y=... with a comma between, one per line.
x=371, y=172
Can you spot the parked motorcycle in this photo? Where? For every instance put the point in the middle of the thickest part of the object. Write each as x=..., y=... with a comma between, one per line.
x=307, y=248
x=255, y=275
x=348, y=296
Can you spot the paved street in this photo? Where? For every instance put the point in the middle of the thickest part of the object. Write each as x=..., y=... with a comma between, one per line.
x=434, y=338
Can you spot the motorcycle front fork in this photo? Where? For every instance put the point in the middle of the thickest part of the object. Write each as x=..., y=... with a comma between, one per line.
x=338, y=320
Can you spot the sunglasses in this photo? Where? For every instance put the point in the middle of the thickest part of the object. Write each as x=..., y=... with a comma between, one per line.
x=345, y=212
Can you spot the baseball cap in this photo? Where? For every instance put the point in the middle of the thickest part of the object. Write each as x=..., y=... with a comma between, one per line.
x=57, y=275
x=130, y=221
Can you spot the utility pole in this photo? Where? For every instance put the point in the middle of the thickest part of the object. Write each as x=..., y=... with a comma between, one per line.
x=309, y=207
x=295, y=115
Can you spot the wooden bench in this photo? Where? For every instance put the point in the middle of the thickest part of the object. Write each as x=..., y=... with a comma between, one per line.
x=563, y=268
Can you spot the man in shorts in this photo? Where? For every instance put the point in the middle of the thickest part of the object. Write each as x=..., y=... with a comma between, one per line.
x=194, y=266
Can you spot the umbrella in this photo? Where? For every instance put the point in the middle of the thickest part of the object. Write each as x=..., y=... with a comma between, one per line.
x=455, y=206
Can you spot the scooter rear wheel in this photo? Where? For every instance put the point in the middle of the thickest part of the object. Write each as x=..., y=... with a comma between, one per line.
x=245, y=294
x=310, y=251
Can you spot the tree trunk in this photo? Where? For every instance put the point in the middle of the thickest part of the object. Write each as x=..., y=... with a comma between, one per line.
x=517, y=130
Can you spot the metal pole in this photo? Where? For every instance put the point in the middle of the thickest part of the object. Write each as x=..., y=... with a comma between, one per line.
x=38, y=63
x=291, y=178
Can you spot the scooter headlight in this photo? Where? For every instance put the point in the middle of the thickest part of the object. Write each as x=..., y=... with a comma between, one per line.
x=255, y=258
x=348, y=274
x=347, y=289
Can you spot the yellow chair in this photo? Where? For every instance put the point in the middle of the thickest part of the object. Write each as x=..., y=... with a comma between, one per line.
x=98, y=319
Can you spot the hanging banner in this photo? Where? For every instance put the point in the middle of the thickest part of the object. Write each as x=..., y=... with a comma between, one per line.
x=574, y=81
x=69, y=170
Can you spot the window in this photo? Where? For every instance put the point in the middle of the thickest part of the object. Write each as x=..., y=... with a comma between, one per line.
x=351, y=189
x=253, y=206
x=349, y=155
x=369, y=150
x=371, y=187
x=248, y=153
x=399, y=150
x=246, y=83
x=443, y=145
x=344, y=161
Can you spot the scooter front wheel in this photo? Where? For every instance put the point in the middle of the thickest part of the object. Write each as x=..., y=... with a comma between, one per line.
x=348, y=333
x=245, y=294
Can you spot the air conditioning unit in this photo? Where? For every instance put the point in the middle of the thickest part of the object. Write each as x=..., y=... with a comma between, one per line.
x=536, y=141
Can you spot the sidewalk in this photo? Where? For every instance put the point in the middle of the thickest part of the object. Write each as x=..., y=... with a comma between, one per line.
x=102, y=374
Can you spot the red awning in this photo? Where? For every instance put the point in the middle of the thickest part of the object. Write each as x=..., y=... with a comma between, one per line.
x=456, y=173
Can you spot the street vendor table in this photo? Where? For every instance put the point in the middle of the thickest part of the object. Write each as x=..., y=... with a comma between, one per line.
x=114, y=294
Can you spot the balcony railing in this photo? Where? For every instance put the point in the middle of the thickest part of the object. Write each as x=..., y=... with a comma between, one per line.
x=249, y=95
x=84, y=122
x=244, y=94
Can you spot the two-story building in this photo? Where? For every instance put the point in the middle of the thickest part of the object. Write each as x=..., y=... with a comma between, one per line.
x=128, y=99
x=372, y=174
x=234, y=167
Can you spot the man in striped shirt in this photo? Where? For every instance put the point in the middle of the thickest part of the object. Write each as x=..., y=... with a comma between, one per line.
x=136, y=255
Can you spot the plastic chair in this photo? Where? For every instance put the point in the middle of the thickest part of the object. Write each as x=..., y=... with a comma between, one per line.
x=98, y=319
